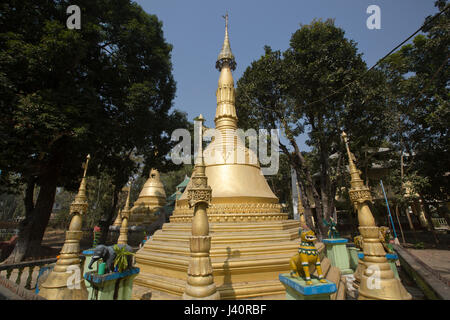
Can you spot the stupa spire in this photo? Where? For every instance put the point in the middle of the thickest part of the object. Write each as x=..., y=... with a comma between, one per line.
x=226, y=57
x=226, y=117
x=81, y=195
x=357, y=182
x=125, y=215
x=127, y=202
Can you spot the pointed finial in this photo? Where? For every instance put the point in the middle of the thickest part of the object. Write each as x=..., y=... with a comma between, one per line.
x=225, y=55
x=88, y=157
x=351, y=157
x=358, y=191
x=80, y=204
x=199, y=191
x=200, y=161
x=226, y=21
x=127, y=202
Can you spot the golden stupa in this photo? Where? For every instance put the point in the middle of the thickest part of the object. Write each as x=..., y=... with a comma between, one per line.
x=151, y=198
x=252, y=240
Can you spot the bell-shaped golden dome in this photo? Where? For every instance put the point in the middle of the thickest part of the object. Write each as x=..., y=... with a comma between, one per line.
x=152, y=193
x=151, y=198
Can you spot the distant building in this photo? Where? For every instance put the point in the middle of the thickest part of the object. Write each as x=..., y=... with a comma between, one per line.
x=172, y=199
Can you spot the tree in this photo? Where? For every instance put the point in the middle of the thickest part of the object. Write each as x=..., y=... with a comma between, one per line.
x=313, y=88
x=105, y=89
x=419, y=86
x=280, y=184
x=11, y=205
x=262, y=101
x=419, y=110
x=173, y=178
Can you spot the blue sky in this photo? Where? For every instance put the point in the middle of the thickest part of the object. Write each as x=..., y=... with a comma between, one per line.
x=195, y=28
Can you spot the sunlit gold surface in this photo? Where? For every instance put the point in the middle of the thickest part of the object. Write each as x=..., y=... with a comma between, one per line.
x=200, y=282
x=153, y=190
x=123, y=237
x=151, y=198
x=66, y=282
x=125, y=215
x=252, y=241
x=377, y=280
x=118, y=221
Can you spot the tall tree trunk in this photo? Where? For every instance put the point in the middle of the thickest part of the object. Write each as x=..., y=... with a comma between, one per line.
x=42, y=211
x=37, y=216
x=21, y=246
x=309, y=184
x=107, y=219
x=411, y=225
x=324, y=190
x=399, y=223
x=304, y=187
x=305, y=202
x=324, y=216
x=327, y=187
x=353, y=222
x=307, y=188
x=417, y=209
x=426, y=209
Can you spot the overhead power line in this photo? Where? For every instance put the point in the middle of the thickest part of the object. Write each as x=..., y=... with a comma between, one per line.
x=380, y=60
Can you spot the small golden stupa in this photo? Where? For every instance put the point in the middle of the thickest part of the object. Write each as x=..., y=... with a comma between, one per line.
x=65, y=282
x=151, y=198
x=251, y=239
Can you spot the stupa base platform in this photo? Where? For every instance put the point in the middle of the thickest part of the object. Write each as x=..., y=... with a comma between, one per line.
x=139, y=293
x=246, y=258
x=160, y=287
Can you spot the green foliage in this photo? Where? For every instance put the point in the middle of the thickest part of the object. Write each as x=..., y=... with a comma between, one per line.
x=419, y=245
x=120, y=261
x=100, y=198
x=105, y=89
x=323, y=67
x=173, y=178
x=280, y=183
x=320, y=86
x=311, y=88
x=419, y=109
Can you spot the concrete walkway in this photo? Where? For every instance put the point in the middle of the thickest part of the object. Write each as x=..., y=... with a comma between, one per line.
x=428, y=268
x=438, y=260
